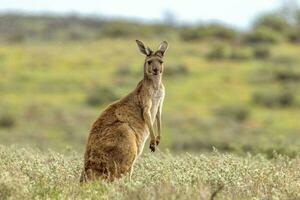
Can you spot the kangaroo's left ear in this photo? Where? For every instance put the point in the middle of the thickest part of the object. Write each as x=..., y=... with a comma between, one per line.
x=163, y=47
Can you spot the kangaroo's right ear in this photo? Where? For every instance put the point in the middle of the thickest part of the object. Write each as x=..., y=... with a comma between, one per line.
x=144, y=50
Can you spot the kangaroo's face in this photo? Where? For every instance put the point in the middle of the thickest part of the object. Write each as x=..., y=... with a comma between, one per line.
x=153, y=66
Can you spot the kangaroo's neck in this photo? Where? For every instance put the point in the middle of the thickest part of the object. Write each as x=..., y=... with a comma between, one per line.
x=154, y=81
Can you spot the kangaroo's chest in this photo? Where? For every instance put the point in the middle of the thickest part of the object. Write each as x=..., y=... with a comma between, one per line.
x=156, y=98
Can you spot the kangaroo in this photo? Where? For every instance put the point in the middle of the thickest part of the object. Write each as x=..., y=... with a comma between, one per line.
x=118, y=136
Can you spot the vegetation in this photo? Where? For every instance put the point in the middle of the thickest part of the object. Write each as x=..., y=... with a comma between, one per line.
x=237, y=92
x=30, y=174
x=226, y=94
x=15, y=28
x=100, y=95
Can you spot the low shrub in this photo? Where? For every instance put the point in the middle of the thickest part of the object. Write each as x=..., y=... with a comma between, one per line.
x=220, y=51
x=7, y=120
x=176, y=70
x=273, y=98
x=287, y=74
x=261, y=52
x=274, y=73
x=283, y=60
x=294, y=36
x=123, y=70
x=262, y=35
x=100, y=95
x=215, y=31
x=233, y=112
x=273, y=21
x=240, y=54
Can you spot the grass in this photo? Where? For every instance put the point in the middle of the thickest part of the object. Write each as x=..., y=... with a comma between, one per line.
x=46, y=88
x=27, y=173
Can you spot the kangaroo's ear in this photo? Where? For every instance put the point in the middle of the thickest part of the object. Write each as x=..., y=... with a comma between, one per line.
x=163, y=47
x=143, y=49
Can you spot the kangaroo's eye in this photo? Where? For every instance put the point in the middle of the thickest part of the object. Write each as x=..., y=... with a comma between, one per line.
x=149, y=62
x=161, y=62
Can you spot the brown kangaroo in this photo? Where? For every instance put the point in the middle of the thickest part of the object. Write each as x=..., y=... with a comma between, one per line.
x=118, y=136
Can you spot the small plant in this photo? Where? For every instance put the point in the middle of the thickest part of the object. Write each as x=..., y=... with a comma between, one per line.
x=281, y=74
x=294, y=36
x=240, y=54
x=262, y=35
x=176, y=70
x=272, y=21
x=219, y=52
x=273, y=99
x=215, y=31
x=100, y=95
x=287, y=74
x=261, y=52
x=123, y=70
x=284, y=60
x=7, y=120
x=233, y=111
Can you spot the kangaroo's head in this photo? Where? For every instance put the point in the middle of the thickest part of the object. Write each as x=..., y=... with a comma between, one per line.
x=153, y=66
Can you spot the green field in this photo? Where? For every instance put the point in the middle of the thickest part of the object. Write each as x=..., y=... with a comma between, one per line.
x=52, y=92
x=230, y=118
x=30, y=174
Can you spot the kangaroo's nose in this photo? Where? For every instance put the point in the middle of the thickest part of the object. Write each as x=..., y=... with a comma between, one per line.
x=155, y=70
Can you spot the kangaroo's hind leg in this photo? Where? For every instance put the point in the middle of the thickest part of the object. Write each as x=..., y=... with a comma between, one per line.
x=112, y=153
x=124, y=151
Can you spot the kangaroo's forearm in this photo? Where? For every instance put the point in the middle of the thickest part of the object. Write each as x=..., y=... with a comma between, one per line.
x=158, y=122
x=147, y=118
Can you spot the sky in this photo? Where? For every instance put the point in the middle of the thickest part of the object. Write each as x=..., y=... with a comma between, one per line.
x=238, y=13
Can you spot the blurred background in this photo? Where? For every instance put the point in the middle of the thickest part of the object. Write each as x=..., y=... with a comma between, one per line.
x=232, y=73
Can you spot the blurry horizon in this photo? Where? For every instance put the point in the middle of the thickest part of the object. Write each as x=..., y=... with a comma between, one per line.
x=191, y=11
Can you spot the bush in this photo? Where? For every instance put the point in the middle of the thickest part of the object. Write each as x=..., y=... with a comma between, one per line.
x=273, y=99
x=261, y=52
x=123, y=70
x=274, y=22
x=294, y=36
x=233, y=112
x=7, y=120
x=176, y=70
x=219, y=52
x=284, y=60
x=262, y=35
x=216, y=31
x=100, y=95
x=240, y=54
x=287, y=74
x=275, y=73
x=16, y=38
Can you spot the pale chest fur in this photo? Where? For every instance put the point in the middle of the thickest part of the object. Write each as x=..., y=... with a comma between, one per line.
x=156, y=98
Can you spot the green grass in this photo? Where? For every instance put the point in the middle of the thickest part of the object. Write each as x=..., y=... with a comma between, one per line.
x=44, y=88
x=27, y=173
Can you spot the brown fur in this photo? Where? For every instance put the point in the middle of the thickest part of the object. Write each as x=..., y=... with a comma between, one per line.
x=117, y=137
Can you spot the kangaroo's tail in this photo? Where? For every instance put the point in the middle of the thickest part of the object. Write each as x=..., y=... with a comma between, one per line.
x=82, y=177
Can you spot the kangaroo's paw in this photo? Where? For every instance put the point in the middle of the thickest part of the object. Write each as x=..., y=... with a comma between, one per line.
x=157, y=140
x=152, y=145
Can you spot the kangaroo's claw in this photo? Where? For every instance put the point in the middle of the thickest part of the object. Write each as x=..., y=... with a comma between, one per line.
x=152, y=145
